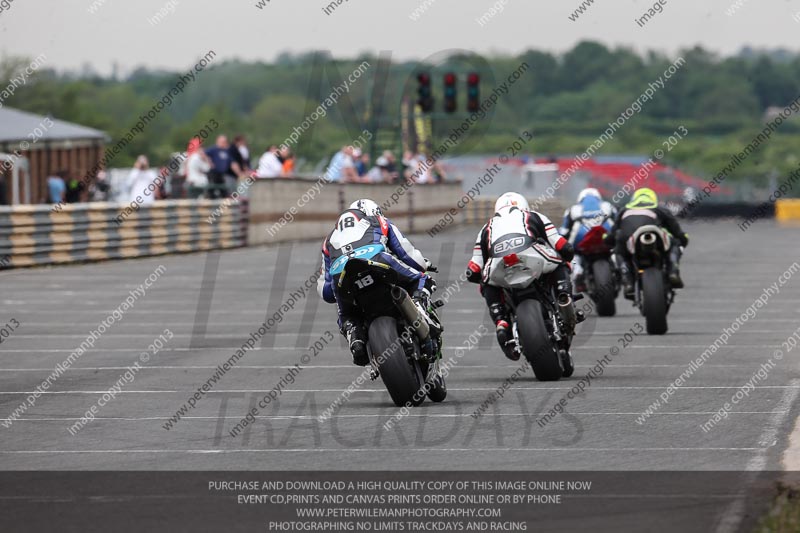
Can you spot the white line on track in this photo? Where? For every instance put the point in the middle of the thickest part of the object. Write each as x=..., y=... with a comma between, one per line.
x=329, y=367
x=239, y=391
x=410, y=448
x=375, y=415
x=733, y=515
x=294, y=335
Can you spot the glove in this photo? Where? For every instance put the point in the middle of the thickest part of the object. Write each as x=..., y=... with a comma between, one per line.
x=685, y=240
x=610, y=239
x=430, y=285
x=473, y=273
x=567, y=252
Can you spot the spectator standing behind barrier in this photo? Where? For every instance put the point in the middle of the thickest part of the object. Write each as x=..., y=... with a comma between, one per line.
x=220, y=167
x=240, y=156
x=342, y=168
x=99, y=190
x=270, y=166
x=140, y=177
x=287, y=157
x=74, y=189
x=361, y=161
x=380, y=172
x=197, y=167
x=391, y=166
x=56, y=188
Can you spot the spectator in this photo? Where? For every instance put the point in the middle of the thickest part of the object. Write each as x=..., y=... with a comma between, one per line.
x=56, y=187
x=140, y=177
x=391, y=166
x=74, y=189
x=220, y=172
x=197, y=167
x=341, y=168
x=270, y=166
x=99, y=190
x=361, y=162
x=287, y=157
x=240, y=155
x=380, y=172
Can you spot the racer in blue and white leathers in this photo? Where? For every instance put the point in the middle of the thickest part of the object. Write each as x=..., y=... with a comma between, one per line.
x=591, y=210
x=360, y=226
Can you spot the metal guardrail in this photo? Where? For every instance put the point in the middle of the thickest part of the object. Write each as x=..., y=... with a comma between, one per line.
x=37, y=235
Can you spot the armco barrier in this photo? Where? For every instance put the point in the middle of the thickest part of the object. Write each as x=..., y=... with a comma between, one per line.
x=786, y=210
x=36, y=235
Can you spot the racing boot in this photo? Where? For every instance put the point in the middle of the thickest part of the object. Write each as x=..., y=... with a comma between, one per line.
x=505, y=336
x=566, y=305
x=567, y=363
x=674, y=270
x=627, y=280
x=357, y=340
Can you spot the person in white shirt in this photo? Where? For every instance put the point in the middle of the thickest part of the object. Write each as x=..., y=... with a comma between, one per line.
x=197, y=167
x=140, y=177
x=269, y=166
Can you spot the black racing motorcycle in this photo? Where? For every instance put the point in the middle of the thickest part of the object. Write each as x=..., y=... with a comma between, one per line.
x=539, y=327
x=601, y=282
x=404, y=340
x=653, y=294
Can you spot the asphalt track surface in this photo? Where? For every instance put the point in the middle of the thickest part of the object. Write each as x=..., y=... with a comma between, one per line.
x=725, y=271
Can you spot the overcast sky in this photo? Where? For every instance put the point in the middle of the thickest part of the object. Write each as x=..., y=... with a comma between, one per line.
x=120, y=31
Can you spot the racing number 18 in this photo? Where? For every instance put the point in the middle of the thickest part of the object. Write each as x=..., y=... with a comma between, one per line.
x=349, y=222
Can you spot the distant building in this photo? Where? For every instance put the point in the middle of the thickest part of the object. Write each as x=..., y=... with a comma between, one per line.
x=32, y=147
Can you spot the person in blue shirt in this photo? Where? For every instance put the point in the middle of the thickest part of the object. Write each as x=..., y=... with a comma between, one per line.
x=220, y=157
x=56, y=188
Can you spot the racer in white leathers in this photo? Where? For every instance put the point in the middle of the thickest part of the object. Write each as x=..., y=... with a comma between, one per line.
x=513, y=216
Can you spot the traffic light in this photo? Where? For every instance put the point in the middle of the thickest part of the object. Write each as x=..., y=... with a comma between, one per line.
x=473, y=92
x=450, y=93
x=424, y=93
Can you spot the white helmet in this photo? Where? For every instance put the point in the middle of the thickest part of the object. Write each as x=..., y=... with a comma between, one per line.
x=589, y=192
x=367, y=206
x=509, y=199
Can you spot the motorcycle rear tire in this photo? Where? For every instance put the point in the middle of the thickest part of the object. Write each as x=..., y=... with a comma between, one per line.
x=654, y=301
x=399, y=377
x=537, y=346
x=604, y=283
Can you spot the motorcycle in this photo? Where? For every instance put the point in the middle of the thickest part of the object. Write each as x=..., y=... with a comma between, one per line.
x=404, y=340
x=653, y=294
x=601, y=283
x=518, y=266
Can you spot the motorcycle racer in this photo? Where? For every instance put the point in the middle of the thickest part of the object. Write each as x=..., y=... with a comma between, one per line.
x=643, y=209
x=361, y=225
x=590, y=211
x=513, y=216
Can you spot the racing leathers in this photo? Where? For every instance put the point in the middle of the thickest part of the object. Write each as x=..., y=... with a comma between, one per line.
x=628, y=221
x=355, y=230
x=578, y=219
x=515, y=221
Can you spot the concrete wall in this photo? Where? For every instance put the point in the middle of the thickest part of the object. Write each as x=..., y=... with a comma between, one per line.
x=298, y=209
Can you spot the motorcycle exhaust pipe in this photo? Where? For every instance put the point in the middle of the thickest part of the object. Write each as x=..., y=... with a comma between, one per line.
x=648, y=239
x=567, y=311
x=406, y=306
